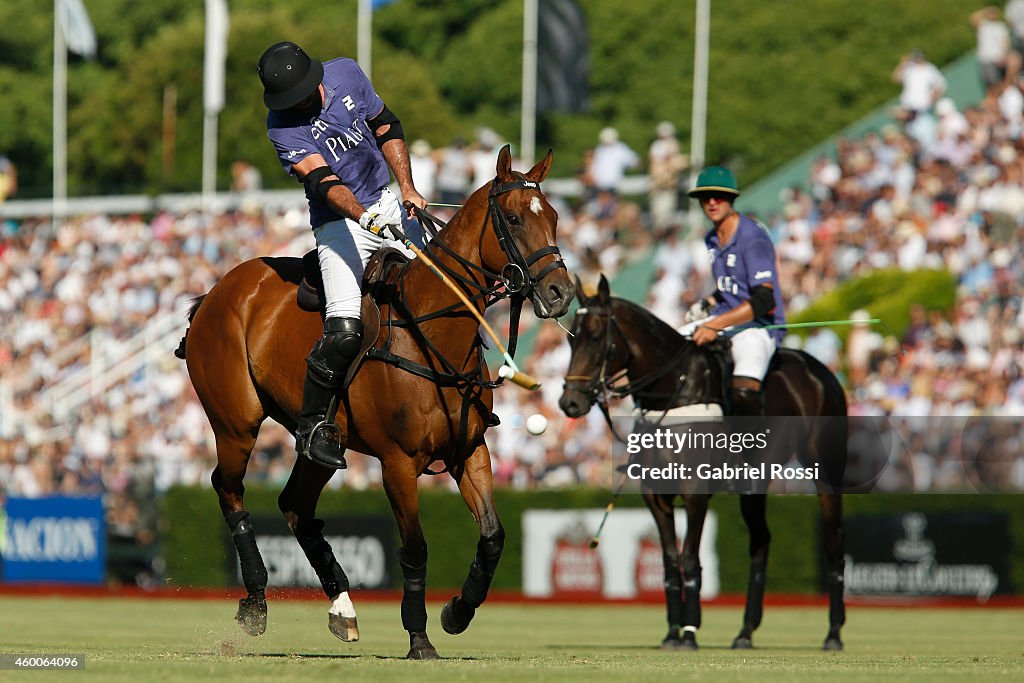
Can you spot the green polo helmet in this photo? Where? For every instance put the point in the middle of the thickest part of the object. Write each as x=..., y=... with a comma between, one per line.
x=715, y=179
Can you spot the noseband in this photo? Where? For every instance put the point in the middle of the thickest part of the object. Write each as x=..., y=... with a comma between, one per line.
x=515, y=275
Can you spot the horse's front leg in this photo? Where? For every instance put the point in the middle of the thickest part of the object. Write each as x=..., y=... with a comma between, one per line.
x=696, y=512
x=297, y=503
x=399, y=473
x=476, y=486
x=662, y=510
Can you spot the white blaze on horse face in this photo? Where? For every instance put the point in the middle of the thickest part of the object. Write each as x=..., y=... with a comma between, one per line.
x=535, y=205
x=343, y=606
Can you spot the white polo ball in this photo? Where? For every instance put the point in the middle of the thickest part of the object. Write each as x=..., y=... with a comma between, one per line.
x=536, y=424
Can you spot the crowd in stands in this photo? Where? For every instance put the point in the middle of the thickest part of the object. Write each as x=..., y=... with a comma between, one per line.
x=937, y=190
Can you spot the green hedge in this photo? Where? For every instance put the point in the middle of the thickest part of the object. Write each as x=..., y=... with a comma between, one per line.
x=885, y=294
x=197, y=536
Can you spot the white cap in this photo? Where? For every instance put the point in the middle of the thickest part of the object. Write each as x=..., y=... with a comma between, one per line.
x=608, y=135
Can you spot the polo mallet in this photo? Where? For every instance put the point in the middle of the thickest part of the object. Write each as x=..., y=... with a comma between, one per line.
x=607, y=511
x=510, y=370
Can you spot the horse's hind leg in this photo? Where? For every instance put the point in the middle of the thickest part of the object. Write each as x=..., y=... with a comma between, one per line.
x=233, y=455
x=752, y=508
x=476, y=485
x=298, y=503
x=399, y=474
x=832, y=515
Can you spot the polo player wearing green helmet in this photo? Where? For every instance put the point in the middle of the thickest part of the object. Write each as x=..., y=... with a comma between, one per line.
x=746, y=294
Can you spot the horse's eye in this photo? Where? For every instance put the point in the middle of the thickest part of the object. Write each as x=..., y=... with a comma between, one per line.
x=512, y=219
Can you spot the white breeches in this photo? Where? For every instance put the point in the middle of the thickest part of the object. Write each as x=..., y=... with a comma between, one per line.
x=345, y=248
x=752, y=349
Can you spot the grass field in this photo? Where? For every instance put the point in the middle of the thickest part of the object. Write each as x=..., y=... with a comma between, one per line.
x=185, y=640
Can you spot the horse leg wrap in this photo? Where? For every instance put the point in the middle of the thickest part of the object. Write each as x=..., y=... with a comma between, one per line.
x=254, y=572
x=414, y=596
x=755, y=591
x=321, y=557
x=481, y=572
x=674, y=593
x=836, y=607
x=691, y=589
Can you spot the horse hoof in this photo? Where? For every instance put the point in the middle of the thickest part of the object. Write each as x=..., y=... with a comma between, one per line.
x=344, y=628
x=675, y=643
x=252, y=615
x=420, y=647
x=456, y=615
x=743, y=643
x=833, y=645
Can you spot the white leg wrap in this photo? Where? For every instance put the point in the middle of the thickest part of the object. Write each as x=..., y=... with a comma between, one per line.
x=342, y=606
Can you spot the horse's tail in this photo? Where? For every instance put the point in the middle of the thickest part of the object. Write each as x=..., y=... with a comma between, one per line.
x=193, y=307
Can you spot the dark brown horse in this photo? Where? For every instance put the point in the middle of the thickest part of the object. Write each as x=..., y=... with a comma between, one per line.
x=614, y=339
x=423, y=395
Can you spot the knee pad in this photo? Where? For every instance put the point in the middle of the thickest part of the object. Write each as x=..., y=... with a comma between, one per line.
x=334, y=352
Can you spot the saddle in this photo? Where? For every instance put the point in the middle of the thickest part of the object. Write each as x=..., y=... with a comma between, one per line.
x=379, y=286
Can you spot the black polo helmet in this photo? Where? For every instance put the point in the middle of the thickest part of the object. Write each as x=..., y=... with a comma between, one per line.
x=288, y=75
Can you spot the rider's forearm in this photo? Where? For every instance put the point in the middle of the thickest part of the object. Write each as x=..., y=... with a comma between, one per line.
x=341, y=200
x=736, y=316
x=397, y=155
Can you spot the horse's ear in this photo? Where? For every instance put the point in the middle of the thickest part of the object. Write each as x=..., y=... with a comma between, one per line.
x=540, y=171
x=504, y=167
x=603, y=290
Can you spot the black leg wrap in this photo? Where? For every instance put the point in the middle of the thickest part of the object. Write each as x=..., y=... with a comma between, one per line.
x=414, y=595
x=691, y=588
x=321, y=557
x=481, y=572
x=836, y=606
x=755, y=593
x=254, y=572
x=674, y=594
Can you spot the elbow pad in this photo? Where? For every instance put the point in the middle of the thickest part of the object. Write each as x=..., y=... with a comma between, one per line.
x=316, y=186
x=762, y=301
x=386, y=117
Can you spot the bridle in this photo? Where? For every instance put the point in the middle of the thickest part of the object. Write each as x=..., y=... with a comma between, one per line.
x=601, y=387
x=515, y=275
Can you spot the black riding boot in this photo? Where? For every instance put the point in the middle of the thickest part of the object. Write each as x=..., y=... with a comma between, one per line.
x=317, y=437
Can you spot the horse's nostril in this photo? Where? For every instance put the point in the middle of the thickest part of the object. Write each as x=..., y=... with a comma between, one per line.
x=556, y=293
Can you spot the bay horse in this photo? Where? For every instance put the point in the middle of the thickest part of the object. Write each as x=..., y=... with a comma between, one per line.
x=613, y=338
x=422, y=394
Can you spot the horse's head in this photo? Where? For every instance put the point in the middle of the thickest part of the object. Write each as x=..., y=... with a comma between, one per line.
x=522, y=244
x=599, y=351
x=612, y=336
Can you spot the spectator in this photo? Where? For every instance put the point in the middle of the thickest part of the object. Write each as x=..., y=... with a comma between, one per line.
x=993, y=46
x=923, y=84
x=606, y=164
x=245, y=177
x=454, y=172
x=665, y=163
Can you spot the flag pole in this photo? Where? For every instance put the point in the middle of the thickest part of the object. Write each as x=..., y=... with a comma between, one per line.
x=60, y=131
x=528, y=124
x=699, y=115
x=364, y=41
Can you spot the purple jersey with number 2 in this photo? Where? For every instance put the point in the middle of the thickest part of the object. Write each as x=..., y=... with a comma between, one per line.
x=748, y=260
x=338, y=133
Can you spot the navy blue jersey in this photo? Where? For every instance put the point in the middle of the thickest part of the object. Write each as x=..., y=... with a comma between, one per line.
x=748, y=260
x=339, y=133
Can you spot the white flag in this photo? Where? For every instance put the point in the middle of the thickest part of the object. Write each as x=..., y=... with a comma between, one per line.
x=215, y=56
x=77, y=28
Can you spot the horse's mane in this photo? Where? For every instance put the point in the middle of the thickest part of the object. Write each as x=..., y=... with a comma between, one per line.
x=653, y=324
